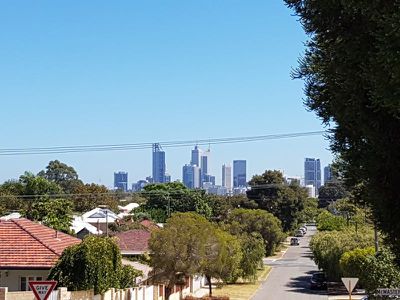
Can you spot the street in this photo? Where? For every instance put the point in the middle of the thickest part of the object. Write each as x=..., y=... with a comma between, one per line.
x=290, y=275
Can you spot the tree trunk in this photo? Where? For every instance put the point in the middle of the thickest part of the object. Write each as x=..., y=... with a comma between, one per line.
x=209, y=285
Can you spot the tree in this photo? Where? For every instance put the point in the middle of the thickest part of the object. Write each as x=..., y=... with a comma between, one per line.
x=89, y=196
x=310, y=211
x=373, y=270
x=329, y=246
x=353, y=263
x=62, y=174
x=54, y=213
x=37, y=186
x=188, y=245
x=93, y=264
x=381, y=271
x=328, y=222
x=222, y=205
x=256, y=221
x=167, y=198
x=351, y=70
x=272, y=194
x=253, y=250
x=331, y=192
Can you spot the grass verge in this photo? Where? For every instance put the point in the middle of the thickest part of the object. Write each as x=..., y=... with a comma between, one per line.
x=243, y=290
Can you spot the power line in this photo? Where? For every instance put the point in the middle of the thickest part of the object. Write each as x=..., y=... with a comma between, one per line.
x=141, y=146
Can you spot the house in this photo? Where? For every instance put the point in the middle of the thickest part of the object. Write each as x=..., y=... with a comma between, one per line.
x=126, y=210
x=82, y=228
x=28, y=250
x=100, y=217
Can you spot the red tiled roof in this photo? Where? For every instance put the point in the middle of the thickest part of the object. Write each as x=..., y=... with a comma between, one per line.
x=25, y=244
x=133, y=241
x=149, y=224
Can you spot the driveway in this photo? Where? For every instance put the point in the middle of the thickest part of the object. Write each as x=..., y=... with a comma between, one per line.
x=290, y=275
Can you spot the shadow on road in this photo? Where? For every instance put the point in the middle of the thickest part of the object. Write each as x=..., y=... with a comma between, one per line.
x=307, y=254
x=301, y=284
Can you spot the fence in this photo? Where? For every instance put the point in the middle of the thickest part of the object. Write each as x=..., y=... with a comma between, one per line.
x=145, y=292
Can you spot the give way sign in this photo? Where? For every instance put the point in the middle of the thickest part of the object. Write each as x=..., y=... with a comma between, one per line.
x=42, y=289
x=350, y=283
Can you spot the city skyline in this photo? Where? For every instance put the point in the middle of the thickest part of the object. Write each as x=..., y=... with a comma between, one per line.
x=112, y=74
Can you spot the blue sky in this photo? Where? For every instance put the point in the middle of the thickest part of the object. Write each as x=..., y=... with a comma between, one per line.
x=101, y=72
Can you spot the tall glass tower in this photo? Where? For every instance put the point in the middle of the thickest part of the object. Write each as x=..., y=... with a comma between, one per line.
x=312, y=173
x=121, y=181
x=239, y=173
x=158, y=164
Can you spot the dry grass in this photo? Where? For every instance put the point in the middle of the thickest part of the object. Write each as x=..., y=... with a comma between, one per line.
x=242, y=290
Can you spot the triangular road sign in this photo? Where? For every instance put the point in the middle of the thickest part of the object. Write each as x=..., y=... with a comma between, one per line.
x=350, y=283
x=42, y=289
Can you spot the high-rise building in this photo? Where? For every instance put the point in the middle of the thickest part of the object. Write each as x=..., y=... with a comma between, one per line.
x=167, y=178
x=208, y=179
x=121, y=181
x=312, y=173
x=158, y=164
x=204, y=165
x=227, y=177
x=196, y=157
x=328, y=174
x=191, y=176
x=239, y=173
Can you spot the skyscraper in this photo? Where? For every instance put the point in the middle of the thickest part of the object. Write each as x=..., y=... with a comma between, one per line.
x=204, y=166
x=227, y=177
x=312, y=173
x=191, y=176
x=327, y=174
x=121, y=181
x=239, y=173
x=196, y=156
x=158, y=164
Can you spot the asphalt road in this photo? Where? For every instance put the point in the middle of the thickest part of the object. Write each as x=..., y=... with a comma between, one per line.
x=290, y=275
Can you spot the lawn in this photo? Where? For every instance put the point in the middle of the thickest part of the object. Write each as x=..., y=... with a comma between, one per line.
x=242, y=290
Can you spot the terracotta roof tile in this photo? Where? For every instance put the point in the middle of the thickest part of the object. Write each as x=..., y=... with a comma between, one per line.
x=135, y=240
x=24, y=243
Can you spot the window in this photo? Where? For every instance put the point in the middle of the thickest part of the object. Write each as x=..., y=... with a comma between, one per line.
x=24, y=286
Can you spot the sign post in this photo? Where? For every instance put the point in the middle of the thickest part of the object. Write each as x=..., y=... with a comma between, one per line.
x=42, y=289
x=349, y=283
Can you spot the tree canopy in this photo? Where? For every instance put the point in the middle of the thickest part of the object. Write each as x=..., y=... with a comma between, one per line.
x=166, y=198
x=62, y=174
x=256, y=221
x=351, y=70
x=272, y=194
x=93, y=264
x=188, y=245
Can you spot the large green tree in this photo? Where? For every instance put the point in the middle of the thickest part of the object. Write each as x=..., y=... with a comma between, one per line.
x=351, y=70
x=166, y=198
x=188, y=245
x=273, y=194
x=55, y=213
x=256, y=221
x=62, y=174
x=93, y=264
x=89, y=196
x=330, y=192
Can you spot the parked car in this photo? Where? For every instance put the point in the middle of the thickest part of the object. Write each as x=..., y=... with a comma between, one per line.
x=303, y=230
x=304, y=227
x=299, y=233
x=318, y=281
x=294, y=241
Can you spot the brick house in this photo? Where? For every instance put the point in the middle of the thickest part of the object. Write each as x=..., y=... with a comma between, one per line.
x=28, y=251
